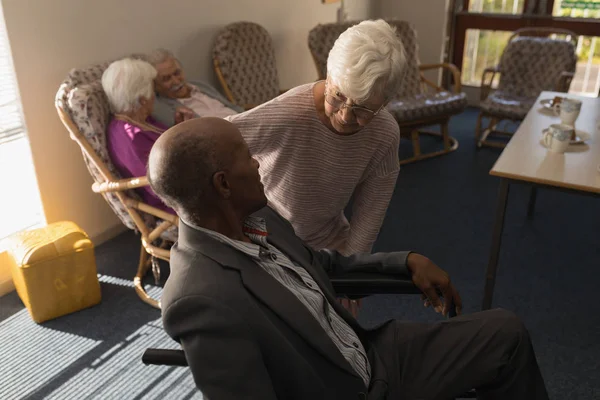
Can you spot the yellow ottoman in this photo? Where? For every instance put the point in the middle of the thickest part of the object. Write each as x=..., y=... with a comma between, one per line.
x=54, y=270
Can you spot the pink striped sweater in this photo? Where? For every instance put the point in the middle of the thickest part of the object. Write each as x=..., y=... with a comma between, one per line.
x=310, y=173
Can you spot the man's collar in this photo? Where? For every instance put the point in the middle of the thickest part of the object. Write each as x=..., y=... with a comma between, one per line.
x=252, y=224
x=254, y=227
x=190, y=236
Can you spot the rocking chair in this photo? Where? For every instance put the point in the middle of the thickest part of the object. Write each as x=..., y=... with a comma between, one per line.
x=83, y=109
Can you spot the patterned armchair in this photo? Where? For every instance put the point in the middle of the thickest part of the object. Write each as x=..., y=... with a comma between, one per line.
x=419, y=103
x=244, y=61
x=529, y=65
x=83, y=108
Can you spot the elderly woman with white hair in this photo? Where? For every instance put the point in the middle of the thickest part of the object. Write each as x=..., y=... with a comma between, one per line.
x=322, y=143
x=129, y=87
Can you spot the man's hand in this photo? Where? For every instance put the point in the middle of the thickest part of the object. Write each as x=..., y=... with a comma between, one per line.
x=183, y=114
x=430, y=278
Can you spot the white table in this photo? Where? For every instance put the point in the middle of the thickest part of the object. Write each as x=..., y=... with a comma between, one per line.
x=525, y=160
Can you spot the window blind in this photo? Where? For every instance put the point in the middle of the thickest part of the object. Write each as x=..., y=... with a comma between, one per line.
x=11, y=120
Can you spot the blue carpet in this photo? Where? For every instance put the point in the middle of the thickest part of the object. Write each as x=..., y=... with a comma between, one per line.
x=443, y=208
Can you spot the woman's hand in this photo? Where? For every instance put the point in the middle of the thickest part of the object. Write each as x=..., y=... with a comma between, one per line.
x=183, y=114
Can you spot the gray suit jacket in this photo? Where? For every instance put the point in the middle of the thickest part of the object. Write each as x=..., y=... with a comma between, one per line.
x=246, y=337
x=164, y=108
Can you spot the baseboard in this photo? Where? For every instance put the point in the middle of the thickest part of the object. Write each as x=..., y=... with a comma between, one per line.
x=108, y=234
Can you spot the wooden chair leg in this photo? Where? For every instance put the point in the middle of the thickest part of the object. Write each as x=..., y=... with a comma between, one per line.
x=446, y=136
x=415, y=142
x=487, y=132
x=493, y=123
x=478, y=129
x=144, y=265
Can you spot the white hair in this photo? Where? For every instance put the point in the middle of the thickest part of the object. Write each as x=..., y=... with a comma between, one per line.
x=159, y=56
x=367, y=59
x=125, y=81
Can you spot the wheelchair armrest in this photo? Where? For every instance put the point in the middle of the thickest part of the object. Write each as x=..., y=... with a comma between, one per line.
x=364, y=284
x=352, y=284
x=164, y=357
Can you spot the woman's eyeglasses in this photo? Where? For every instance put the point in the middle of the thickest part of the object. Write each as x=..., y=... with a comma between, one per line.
x=359, y=112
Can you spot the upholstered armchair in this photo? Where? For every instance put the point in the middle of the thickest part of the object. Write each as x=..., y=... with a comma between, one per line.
x=244, y=61
x=420, y=102
x=531, y=63
x=83, y=108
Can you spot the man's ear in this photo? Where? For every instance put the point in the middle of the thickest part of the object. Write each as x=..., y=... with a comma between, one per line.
x=221, y=185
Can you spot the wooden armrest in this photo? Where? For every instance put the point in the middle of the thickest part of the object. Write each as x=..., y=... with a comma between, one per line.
x=140, y=205
x=120, y=185
x=486, y=86
x=564, y=81
x=450, y=67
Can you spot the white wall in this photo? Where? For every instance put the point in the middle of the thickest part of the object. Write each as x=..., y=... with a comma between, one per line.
x=428, y=18
x=50, y=37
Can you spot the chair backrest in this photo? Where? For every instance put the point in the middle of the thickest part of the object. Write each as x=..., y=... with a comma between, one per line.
x=84, y=110
x=322, y=38
x=532, y=64
x=244, y=61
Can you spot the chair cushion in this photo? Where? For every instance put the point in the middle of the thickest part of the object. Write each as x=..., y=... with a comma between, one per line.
x=504, y=105
x=530, y=65
x=245, y=55
x=427, y=106
x=90, y=112
x=92, y=73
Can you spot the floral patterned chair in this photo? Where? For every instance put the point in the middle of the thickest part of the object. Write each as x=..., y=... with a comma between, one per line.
x=420, y=102
x=244, y=61
x=83, y=108
x=529, y=65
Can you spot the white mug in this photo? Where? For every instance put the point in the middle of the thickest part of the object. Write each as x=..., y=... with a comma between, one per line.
x=557, y=137
x=568, y=110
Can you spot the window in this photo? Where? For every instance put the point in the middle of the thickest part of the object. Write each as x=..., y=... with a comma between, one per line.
x=481, y=34
x=576, y=9
x=20, y=205
x=497, y=6
x=483, y=49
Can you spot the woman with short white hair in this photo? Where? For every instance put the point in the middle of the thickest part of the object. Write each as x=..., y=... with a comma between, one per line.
x=129, y=87
x=321, y=143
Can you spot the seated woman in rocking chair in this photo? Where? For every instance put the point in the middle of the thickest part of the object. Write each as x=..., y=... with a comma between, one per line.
x=129, y=87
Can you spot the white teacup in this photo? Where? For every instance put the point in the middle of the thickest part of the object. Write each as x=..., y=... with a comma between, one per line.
x=557, y=137
x=568, y=110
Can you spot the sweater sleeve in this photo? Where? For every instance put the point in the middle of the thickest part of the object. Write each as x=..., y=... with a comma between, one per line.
x=371, y=199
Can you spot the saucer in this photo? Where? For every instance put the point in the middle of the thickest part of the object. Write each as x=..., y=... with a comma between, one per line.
x=580, y=136
x=549, y=103
x=581, y=147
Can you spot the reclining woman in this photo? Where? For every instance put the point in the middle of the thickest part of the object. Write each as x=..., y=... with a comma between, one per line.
x=129, y=87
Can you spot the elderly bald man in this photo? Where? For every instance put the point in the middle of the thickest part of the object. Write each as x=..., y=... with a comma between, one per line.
x=255, y=312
